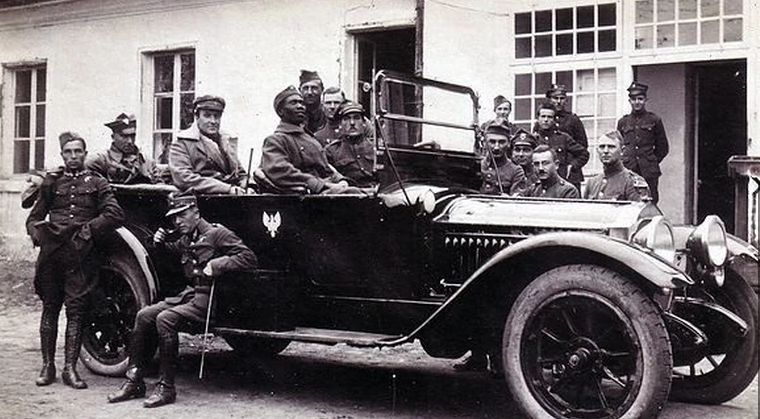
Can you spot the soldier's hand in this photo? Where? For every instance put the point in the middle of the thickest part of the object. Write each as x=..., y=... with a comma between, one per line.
x=238, y=190
x=208, y=271
x=160, y=235
x=334, y=188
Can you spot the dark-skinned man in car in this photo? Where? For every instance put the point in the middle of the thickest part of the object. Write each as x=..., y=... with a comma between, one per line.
x=74, y=210
x=645, y=143
x=353, y=155
x=207, y=251
x=550, y=185
x=292, y=160
x=202, y=157
x=615, y=182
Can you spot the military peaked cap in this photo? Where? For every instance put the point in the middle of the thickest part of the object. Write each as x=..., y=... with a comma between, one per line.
x=556, y=90
x=209, y=102
x=636, y=89
x=123, y=124
x=179, y=202
x=523, y=137
x=350, y=107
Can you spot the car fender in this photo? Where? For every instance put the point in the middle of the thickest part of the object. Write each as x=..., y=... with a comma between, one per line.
x=649, y=266
x=138, y=251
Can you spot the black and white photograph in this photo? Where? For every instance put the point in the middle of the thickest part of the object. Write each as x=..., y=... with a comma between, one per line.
x=371, y=209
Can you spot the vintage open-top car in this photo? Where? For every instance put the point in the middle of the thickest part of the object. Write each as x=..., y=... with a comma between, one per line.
x=591, y=309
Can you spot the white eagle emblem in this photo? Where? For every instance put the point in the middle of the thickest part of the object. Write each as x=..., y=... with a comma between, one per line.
x=271, y=222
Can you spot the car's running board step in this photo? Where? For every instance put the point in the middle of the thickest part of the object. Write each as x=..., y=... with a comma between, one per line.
x=324, y=336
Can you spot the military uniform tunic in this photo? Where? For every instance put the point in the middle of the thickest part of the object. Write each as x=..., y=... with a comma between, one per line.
x=571, y=124
x=570, y=153
x=316, y=119
x=512, y=177
x=354, y=160
x=616, y=183
x=645, y=143
x=80, y=208
x=109, y=165
x=553, y=188
x=328, y=134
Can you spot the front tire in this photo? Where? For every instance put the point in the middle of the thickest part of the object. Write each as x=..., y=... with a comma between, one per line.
x=121, y=292
x=582, y=341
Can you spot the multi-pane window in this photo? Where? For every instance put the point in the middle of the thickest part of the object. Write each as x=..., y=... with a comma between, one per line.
x=29, y=119
x=672, y=23
x=173, y=94
x=591, y=94
x=566, y=31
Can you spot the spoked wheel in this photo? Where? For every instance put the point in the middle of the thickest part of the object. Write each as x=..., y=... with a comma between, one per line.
x=583, y=342
x=120, y=294
x=727, y=364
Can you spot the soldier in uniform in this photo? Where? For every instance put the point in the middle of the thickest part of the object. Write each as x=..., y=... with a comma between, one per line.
x=123, y=162
x=202, y=157
x=332, y=98
x=207, y=251
x=500, y=175
x=502, y=107
x=522, y=145
x=353, y=155
x=291, y=158
x=80, y=208
x=311, y=88
x=616, y=182
x=550, y=185
x=645, y=143
x=568, y=122
x=572, y=156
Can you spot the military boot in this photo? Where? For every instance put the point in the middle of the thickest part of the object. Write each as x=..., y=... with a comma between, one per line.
x=132, y=388
x=70, y=376
x=164, y=392
x=162, y=395
x=48, y=336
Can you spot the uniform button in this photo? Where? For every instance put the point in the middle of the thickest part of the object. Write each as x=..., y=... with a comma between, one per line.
x=604, y=180
x=72, y=205
x=72, y=195
x=71, y=215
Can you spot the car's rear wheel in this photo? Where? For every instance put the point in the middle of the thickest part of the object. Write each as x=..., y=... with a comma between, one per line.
x=255, y=347
x=582, y=341
x=121, y=292
x=729, y=362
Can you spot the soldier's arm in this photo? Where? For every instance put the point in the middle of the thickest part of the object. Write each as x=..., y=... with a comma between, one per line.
x=276, y=164
x=236, y=256
x=519, y=182
x=578, y=153
x=97, y=164
x=571, y=193
x=661, y=147
x=184, y=177
x=110, y=215
x=40, y=209
x=579, y=132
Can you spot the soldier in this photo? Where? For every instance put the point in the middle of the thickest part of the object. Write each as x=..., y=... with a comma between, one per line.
x=311, y=88
x=616, y=182
x=502, y=107
x=500, y=175
x=522, y=145
x=202, y=157
x=572, y=156
x=291, y=158
x=207, y=251
x=123, y=162
x=332, y=98
x=569, y=123
x=550, y=185
x=80, y=209
x=353, y=155
x=645, y=143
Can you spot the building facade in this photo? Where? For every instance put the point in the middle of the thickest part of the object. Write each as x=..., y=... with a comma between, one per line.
x=75, y=64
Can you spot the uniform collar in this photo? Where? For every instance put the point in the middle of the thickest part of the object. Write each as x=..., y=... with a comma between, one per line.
x=288, y=128
x=548, y=183
x=614, y=168
x=194, y=133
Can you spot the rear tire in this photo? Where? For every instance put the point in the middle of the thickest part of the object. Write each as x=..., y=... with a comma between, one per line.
x=582, y=341
x=121, y=292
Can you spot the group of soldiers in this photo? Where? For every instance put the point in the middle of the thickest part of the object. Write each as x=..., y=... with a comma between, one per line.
x=548, y=162
x=322, y=145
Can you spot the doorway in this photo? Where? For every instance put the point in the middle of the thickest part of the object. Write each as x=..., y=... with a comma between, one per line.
x=721, y=103
x=382, y=50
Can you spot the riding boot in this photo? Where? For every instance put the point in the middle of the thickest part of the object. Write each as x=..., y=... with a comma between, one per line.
x=70, y=376
x=48, y=336
x=164, y=392
x=132, y=388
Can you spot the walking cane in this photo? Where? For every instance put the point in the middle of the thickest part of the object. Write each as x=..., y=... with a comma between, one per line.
x=205, y=331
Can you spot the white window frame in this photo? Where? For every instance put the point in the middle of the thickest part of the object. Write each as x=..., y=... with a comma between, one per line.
x=8, y=117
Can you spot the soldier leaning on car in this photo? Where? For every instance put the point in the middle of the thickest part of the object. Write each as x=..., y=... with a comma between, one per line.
x=615, y=182
x=202, y=157
x=207, y=251
x=80, y=208
x=550, y=185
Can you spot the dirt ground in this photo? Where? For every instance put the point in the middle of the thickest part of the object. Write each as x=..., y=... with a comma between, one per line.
x=305, y=381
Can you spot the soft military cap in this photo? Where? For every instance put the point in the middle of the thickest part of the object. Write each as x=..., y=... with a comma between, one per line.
x=67, y=136
x=123, y=124
x=497, y=128
x=209, y=102
x=615, y=135
x=286, y=93
x=349, y=108
x=307, y=76
x=498, y=100
x=556, y=90
x=523, y=137
x=180, y=202
x=636, y=89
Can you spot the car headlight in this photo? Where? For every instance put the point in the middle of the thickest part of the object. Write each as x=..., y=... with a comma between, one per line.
x=708, y=242
x=657, y=235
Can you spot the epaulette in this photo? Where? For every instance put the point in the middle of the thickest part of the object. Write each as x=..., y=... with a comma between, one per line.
x=57, y=172
x=334, y=142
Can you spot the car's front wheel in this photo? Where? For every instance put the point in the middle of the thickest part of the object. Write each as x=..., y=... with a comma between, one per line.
x=121, y=292
x=582, y=341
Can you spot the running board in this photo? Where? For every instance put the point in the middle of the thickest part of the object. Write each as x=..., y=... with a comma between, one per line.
x=323, y=336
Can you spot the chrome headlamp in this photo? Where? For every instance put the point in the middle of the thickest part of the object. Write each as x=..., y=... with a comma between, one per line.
x=708, y=242
x=657, y=236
